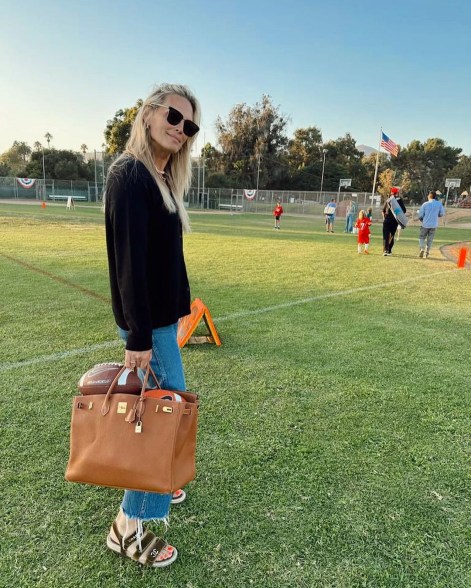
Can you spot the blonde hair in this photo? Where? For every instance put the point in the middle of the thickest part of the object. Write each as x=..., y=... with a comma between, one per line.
x=178, y=168
x=361, y=214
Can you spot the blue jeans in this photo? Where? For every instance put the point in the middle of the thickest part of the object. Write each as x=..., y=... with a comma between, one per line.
x=426, y=234
x=167, y=365
x=349, y=223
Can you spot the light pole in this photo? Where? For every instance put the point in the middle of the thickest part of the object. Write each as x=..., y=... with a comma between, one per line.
x=44, y=175
x=324, y=151
x=258, y=171
x=103, y=147
x=96, y=179
x=203, y=163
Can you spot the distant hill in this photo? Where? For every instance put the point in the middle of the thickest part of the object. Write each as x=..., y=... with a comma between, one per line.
x=366, y=149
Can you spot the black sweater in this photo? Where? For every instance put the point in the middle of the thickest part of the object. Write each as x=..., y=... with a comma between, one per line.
x=149, y=283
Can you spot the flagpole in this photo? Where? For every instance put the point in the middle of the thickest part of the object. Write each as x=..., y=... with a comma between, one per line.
x=377, y=163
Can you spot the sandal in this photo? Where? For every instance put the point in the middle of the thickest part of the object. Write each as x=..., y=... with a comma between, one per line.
x=147, y=542
x=178, y=496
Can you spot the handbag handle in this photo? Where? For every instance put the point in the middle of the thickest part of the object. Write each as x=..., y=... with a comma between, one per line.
x=105, y=407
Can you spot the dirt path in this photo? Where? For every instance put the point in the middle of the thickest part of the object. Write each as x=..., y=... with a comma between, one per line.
x=452, y=252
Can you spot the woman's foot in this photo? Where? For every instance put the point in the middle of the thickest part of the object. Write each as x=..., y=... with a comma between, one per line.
x=126, y=539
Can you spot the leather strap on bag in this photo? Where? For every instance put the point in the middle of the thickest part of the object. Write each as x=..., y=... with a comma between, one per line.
x=139, y=406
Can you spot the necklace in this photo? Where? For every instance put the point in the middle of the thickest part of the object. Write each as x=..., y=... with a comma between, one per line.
x=161, y=174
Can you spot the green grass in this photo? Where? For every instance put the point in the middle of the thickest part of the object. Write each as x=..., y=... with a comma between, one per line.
x=334, y=433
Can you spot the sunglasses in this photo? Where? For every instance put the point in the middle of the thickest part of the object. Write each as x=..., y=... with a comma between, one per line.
x=174, y=118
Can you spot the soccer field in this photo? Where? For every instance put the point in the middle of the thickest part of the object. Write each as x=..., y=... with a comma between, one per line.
x=334, y=438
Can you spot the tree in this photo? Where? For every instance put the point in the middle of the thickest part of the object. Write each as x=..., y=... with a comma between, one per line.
x=23, y=149
x=303, y=160
x=37, y=146
x=60, y=164
x=385, y=183
x=252, y=142
x=118, y=129
x=4, y=170
x=83, y=148
x=369, y=166
x=212, y=160
x=427, y=164
x=305, y=148
x=48, y=138
x=14, y=158
x=344, y=160
x=462, y=170
x=66, y=170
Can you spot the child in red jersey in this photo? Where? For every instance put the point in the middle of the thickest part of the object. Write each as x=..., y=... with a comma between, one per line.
x=277, y=212
x=363, y=225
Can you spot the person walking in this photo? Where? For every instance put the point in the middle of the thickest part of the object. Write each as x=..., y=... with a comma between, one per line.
x=329, y=212
x=277, y=212
x=429, y=214
x=145, y=218
x=390, y=223
x=363, y=224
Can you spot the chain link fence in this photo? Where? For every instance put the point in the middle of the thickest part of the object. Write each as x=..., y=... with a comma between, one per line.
x=293, y=202
x=229, y=200
x=52, y=190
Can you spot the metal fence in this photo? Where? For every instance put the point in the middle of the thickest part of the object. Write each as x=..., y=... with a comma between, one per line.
x=210, y=199
x=294, y=202
x=229, y=200
x=51, y=190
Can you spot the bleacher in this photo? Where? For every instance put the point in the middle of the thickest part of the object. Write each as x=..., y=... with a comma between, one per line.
x=231, y=207
x=65, y=197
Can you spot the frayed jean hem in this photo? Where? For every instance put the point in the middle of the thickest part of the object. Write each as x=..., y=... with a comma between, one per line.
x=146, y=506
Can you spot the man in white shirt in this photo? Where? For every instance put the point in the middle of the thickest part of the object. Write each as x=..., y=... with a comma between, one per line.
x=429, y=213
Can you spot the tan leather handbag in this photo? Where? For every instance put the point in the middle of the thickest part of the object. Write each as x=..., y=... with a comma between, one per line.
x=133, y=442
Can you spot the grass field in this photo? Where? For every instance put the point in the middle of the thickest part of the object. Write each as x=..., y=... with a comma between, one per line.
x=334, y=437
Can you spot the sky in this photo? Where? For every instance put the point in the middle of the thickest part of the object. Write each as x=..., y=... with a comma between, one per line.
x=344, y=66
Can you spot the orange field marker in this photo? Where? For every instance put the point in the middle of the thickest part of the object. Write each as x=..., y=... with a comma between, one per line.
x=43, y=205
x=187, y=326
x=462, y=257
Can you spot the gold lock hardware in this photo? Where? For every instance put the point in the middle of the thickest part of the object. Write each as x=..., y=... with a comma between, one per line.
x=122, y=407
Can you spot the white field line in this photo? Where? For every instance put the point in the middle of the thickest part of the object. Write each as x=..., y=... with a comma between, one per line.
x=245, y=313
x=109, y=344
x=58, y=356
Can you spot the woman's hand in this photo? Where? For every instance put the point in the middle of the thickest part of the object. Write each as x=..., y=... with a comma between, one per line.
x=137, y=359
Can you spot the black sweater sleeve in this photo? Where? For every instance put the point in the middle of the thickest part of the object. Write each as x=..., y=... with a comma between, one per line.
x=127, y=230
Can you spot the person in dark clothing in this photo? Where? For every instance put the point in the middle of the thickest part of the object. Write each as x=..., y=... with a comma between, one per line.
x=145, y=218
x=390, y=223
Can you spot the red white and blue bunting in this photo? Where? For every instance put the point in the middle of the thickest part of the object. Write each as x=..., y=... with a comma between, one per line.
x=250, y=194
x=25, y=182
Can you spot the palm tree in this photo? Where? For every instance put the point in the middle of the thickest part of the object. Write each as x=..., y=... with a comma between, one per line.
x=48, y=138
x=83, y=148
x=23, y=149
x=37, y=146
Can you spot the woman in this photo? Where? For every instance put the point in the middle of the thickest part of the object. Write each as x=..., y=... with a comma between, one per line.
x=145, y=217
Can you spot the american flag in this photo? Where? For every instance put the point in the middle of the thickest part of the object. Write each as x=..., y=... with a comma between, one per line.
x=389, y=145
